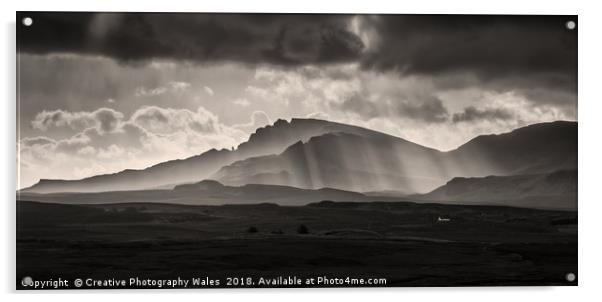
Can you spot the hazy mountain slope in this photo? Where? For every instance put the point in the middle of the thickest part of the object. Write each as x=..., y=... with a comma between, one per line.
x=349, y=158
x=343, y=161
x=271, y=139
x=206, y=192
x=377, y=163
x=546, y=190
x=536, y=148
x=170, y=172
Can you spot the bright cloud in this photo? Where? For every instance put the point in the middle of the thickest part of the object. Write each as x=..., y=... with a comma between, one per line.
x=242, y=102
x=106, y=142
x=105, y=119
x=208, y=90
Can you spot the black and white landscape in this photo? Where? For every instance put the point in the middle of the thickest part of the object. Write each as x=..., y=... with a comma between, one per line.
x=427, y=150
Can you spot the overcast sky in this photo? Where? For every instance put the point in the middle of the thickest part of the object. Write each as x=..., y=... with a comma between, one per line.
x=99, y=93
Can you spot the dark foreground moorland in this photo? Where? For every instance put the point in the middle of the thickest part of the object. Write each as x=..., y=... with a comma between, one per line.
x=401, y=241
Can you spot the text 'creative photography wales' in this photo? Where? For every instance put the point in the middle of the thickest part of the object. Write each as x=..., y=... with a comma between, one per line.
x=222, y=150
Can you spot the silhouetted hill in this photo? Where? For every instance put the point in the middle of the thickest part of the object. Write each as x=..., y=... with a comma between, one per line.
x=555, y=190
x=207, y=192
x=345, y=161
x=386, y=163
x=537, y=148
x=271, y=139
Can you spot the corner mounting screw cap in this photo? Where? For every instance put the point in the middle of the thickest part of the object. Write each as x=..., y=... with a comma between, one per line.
x=570, y=277
x=571, y=25
x=27, y=281
x=27, y=21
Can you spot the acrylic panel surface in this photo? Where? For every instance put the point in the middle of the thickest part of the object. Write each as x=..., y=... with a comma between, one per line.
x=202, y=150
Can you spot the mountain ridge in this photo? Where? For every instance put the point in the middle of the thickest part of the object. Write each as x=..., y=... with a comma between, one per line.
x=265, y=140
x=557, y=189
x=364, y=163
x=206, y=192
x=327, y=140
x=337, y=160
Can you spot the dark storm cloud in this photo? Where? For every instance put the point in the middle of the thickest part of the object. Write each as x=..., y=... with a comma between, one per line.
x=488, y=45
x=532, y=56
x=425, y=44
x=426, y=109
x=246, y=38
x=472, y=113
x=429, y=110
